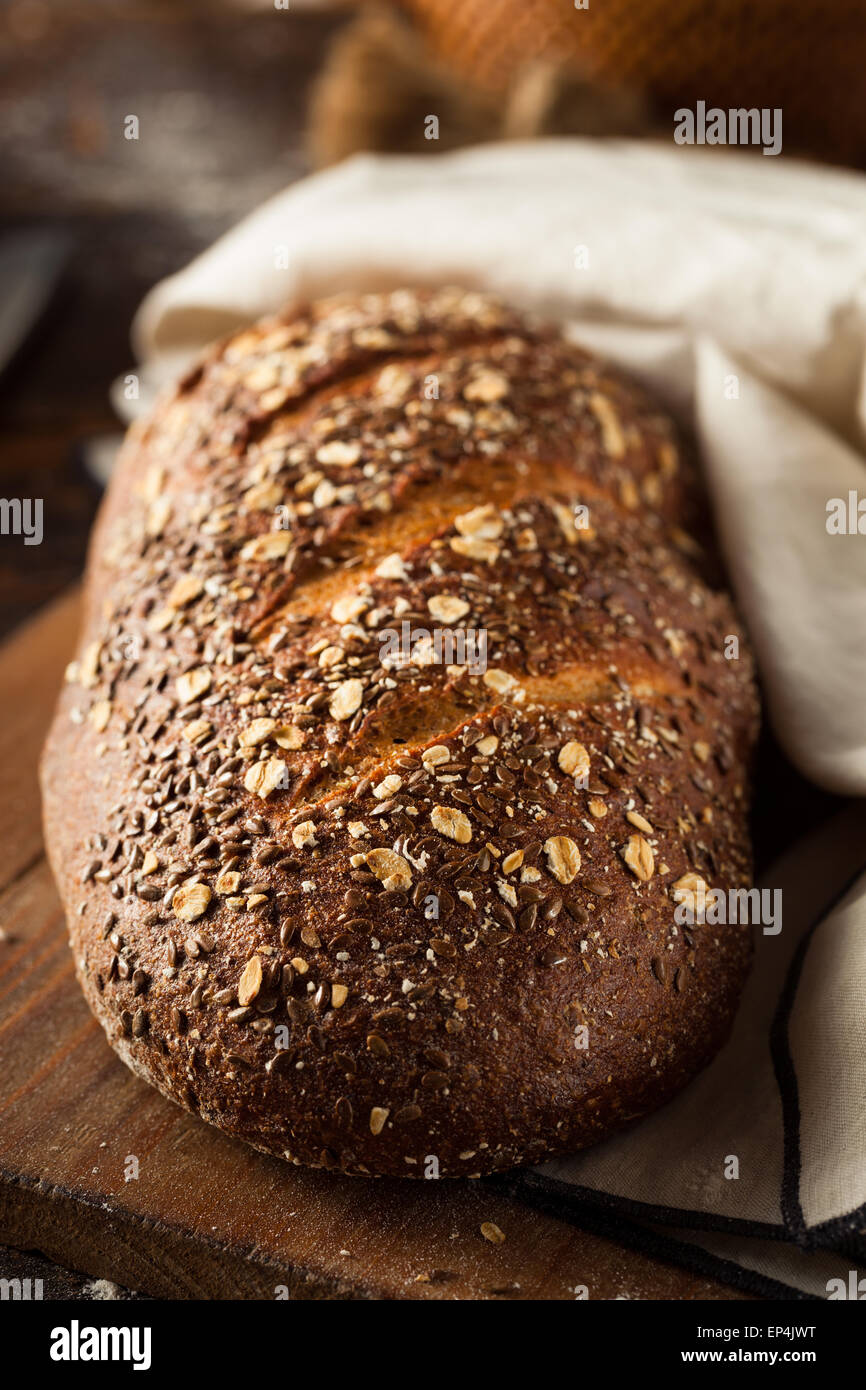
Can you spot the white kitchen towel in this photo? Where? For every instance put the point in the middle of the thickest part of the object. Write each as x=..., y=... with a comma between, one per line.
x=736, y=287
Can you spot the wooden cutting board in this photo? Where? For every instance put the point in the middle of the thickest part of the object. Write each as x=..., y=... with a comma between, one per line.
x=206, y=1217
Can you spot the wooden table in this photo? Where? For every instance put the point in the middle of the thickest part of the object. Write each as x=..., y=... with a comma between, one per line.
x=208, y=1217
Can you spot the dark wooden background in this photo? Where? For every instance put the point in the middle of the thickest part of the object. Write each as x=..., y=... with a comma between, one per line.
x=220, y=93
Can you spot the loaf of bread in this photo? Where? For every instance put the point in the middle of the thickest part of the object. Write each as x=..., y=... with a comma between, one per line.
x=407, y=708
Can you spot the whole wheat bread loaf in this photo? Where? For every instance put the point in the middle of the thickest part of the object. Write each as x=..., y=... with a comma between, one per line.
x=407, y=707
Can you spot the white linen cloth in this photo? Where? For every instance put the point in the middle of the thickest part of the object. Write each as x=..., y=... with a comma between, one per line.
x=735, y=287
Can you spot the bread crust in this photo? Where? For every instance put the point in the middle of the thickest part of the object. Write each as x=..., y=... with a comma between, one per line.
x=389, y=915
